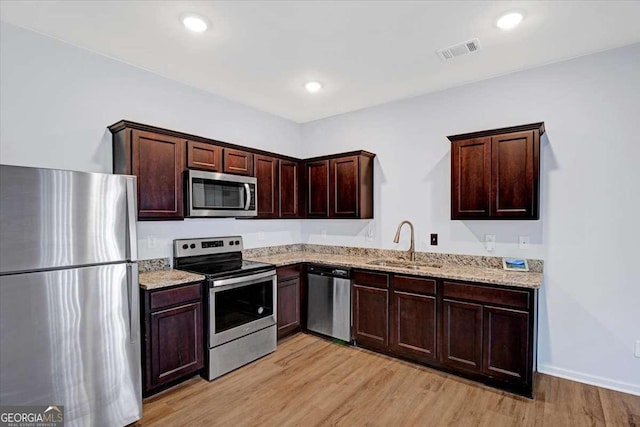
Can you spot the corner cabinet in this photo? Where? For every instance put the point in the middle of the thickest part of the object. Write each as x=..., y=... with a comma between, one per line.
x=173, y=335
x=495, y=174
x=289, y=300
x=340, y=186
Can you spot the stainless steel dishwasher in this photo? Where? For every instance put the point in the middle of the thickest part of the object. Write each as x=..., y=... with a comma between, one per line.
x=329, y=301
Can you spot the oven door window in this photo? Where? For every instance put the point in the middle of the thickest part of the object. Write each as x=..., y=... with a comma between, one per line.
x=208, y=194
x=245, y=304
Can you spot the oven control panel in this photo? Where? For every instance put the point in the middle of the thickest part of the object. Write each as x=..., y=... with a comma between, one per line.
x=206, y=246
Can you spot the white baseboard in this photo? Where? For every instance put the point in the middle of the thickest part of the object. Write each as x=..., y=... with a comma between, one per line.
x=590, y=379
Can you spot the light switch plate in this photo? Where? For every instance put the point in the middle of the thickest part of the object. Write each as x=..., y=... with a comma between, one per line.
x=152, y=242
x=490, y=242
x=323, y=233
x=523, y=242
x=260, y=235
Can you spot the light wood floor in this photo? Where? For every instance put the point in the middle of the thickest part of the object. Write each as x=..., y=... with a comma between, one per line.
x=309, y=381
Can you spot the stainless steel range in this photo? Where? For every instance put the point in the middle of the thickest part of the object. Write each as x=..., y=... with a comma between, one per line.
x=242, y=300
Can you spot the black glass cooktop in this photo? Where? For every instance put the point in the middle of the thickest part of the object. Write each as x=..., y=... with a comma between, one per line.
x=229, y=268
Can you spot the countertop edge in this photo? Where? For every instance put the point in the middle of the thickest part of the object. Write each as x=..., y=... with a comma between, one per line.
x=472, y=274
x=158, y=279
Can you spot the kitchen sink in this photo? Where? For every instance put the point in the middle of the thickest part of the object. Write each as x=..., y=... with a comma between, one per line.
x=403, y=264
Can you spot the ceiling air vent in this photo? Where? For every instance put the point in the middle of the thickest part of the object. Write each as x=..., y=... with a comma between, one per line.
x=459, y=49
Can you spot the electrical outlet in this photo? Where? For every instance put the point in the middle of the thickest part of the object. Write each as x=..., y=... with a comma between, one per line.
x=523, y=242
x=260, y=235
x=638, y=348
x=490, y=242
x=434, y=239
x=323, y=233
x=152, y=242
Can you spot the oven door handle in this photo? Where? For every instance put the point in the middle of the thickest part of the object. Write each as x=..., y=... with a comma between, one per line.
x=236, y=282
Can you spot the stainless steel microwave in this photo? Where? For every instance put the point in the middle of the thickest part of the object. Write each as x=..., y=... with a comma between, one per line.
x=211, y=194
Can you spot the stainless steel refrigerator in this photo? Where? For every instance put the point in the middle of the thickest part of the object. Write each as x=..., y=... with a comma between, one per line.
x=69, y=310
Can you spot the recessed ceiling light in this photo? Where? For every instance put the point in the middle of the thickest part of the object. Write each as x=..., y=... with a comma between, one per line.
x=313, y=86
x=194, y=22
x=509, y=20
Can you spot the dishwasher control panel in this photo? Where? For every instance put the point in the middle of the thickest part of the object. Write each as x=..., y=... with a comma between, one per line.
x=324, y=270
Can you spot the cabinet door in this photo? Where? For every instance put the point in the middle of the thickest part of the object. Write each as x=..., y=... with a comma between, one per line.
x=462, y=335
x=370, y=316
x=204, y=156
x=413, y=325
x=288, y=306
x=176, y=343
x=506, y=344
x=513, y=164
x=238, y=162
x=343, y=184
x=317, y=178
x=288, y=189
x=266, y=172
x=158, y=162
x=471, y=178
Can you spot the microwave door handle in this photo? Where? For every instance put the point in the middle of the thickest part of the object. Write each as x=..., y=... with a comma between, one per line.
x=247, y=189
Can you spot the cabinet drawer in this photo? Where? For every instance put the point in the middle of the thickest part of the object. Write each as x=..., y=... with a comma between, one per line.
x=288, y=272
x=414, y=284
x=173, y=296
x=377, y=280
x=485, y=294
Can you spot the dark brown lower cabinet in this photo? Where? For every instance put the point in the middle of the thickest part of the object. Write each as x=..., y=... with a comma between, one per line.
x=483, y=332
x=414, y=320
x=413, y=325
x=462, y=335
x=289, y=300
x=370, y=316
x=489, y=332
x=370, y=309
x=506, y=343
x=173, y=335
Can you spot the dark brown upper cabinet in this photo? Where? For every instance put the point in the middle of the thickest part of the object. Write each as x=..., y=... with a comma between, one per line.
x=266, y=172
x=317, y=179
x=158, y=162
x=334, y=186
x=495, y=174
x=340, y=186
x=289, y=189
x=204, y=156
x=238, y=162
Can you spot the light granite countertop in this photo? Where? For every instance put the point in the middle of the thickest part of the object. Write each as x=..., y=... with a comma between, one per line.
x=157, y=279
x=447, y=271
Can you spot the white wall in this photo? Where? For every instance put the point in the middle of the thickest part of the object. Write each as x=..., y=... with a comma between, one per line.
x=588, y=232
x=57, y=101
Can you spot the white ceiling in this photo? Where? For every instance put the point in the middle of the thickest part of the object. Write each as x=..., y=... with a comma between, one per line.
x=261, y=53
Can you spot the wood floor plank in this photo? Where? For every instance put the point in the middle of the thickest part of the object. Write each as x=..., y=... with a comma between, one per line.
x=310, y=382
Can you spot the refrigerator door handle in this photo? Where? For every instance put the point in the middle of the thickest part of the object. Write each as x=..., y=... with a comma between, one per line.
x=133, y=301
x=132, y=215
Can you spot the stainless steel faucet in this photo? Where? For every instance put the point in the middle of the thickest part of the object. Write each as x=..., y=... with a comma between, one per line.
x=412, y=248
